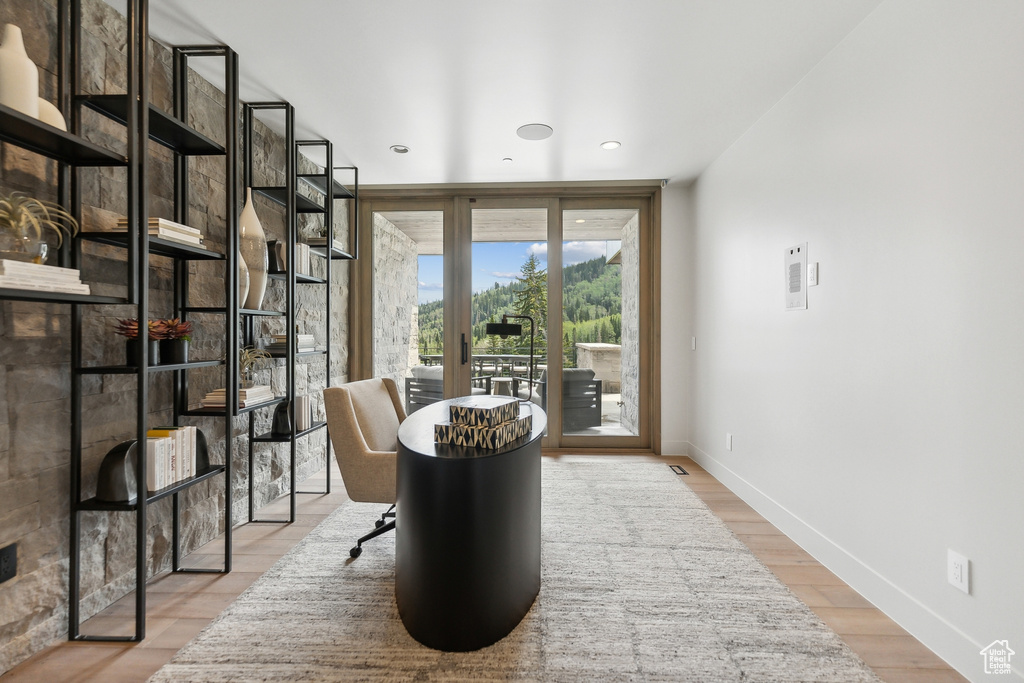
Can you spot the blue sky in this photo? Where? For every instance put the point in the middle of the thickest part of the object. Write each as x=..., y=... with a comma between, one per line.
x=500, y=262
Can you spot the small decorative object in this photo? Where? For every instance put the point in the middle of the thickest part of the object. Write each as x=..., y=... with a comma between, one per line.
x=249, y=361
x=24, y=222
x=243, y=281
x=253, y=245
x=303, y=413
x=282, y=424
x=116, y=482
x=486, y=422
x=129, y=328
x=277, y=256
x=49, y=114
x=19, y=76
x=175, y=334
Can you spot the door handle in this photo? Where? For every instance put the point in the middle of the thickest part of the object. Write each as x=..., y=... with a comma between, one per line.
x=465, y=350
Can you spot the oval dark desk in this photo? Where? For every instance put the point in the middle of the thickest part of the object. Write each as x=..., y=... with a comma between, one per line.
x=467, y=525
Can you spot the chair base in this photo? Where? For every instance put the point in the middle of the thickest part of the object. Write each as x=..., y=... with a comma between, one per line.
x=380, y=527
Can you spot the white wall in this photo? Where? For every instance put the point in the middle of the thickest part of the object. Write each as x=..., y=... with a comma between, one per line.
x=676, y=317
x=885, y=424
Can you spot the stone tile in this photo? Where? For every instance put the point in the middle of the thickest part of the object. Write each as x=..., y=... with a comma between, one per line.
x=17, y=493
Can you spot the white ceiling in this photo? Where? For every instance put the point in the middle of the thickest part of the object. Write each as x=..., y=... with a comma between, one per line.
x=675, y=81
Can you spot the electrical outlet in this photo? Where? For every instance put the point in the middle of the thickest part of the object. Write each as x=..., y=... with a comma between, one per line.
x=8, y=562
x=728, y=442
x=958, y=571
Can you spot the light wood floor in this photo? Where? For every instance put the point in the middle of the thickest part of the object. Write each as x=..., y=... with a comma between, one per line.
x=179, y=606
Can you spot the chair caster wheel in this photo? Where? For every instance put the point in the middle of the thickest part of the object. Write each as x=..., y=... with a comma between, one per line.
x=355, y=552
x=379, y=523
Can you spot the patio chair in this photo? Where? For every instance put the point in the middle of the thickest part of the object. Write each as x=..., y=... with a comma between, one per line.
x=426, y=386
x=581, y=397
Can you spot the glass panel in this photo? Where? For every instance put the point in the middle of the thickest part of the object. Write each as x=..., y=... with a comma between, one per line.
x=510, y=285
x=600, y=322
x=408, y=303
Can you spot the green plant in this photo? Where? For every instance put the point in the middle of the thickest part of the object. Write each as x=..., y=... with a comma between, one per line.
x=250, y=359
x=129, y=327
x=28, y=217
x=174, y=328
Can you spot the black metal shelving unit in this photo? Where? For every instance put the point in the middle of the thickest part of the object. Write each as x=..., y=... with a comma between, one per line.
x=289, y=199
x=327, y=191
x=143, y=123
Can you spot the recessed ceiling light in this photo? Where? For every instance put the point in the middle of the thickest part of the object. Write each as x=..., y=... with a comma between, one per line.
x=507, y=160
x=611, y=144
x=581, y=220
x=534, y=131
x=399, y=149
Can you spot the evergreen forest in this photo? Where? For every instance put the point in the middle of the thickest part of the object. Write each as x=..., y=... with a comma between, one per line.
x=591, y=310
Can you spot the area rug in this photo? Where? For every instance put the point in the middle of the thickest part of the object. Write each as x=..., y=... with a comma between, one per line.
x=640, y=582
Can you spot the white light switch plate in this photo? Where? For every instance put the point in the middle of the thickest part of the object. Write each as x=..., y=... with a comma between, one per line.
x=812, y=274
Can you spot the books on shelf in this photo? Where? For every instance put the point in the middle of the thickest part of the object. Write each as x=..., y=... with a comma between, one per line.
x=169, y=230
x=304, y=343
x=41, y=278
x=322, y=242
x=247, y=397
x=277, y=251
x=170, y=456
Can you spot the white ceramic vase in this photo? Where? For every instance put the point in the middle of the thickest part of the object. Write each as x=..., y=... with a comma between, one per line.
x=19, y=77
x=243, y=281
x=48, y=113
x=252, y=242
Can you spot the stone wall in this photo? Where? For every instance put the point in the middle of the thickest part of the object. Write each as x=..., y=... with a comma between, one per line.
x=630, y=372
x=606, y=362
x=35, y=378
x=395, y=268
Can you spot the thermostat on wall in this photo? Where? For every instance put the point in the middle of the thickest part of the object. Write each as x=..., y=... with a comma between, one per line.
x=796, y=278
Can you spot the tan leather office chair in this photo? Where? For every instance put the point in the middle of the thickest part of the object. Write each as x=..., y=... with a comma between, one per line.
x=363, y=419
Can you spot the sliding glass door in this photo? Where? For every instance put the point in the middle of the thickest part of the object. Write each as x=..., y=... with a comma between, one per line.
x=570, y=279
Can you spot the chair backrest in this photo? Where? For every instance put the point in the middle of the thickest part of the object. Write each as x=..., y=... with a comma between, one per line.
x=363, y=419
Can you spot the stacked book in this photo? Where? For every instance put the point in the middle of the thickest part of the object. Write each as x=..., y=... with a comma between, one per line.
x=247, y=397
x=304, y=343
x=40, y=278
x=170, y=456
x=485, y=422
x=169, y=230
x=322, y=242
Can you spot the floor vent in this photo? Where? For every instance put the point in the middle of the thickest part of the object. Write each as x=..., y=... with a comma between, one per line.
x=678, y=469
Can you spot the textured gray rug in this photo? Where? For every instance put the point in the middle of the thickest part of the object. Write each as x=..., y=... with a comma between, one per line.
x=640, y=582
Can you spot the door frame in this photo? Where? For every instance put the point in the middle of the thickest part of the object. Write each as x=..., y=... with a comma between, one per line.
x=457, y=201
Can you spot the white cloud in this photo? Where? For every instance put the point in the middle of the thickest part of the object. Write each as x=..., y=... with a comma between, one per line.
x=578, y=252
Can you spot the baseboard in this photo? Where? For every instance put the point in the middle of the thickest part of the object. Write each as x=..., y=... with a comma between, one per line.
x=675, y=448
x=943, y=638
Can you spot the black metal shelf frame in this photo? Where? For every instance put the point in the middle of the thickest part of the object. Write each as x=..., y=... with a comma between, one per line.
x=144, y=123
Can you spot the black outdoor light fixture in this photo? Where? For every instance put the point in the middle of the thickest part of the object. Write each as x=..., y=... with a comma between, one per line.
x=505, y=329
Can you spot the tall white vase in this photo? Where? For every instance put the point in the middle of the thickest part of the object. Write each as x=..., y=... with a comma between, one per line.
x=243, y=281
x=252, y=243
x=19, y=77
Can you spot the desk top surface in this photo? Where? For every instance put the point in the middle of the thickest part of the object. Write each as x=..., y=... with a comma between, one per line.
x=416, y=434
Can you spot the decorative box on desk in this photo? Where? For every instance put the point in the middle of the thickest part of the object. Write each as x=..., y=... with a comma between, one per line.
x=489, y=422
